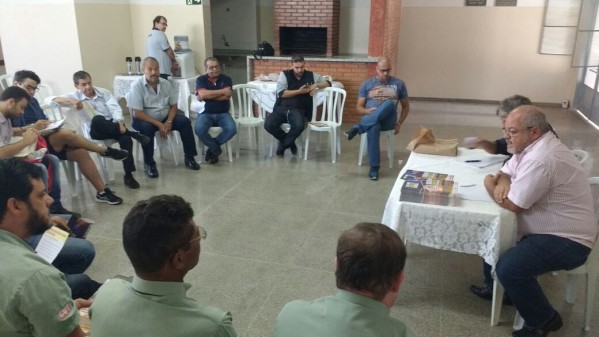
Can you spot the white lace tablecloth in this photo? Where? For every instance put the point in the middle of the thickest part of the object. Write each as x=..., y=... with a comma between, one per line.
x=268, y=95
x=469, y=226
x=183, y=88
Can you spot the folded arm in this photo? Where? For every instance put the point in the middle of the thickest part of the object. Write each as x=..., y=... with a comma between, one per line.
x=498, y=187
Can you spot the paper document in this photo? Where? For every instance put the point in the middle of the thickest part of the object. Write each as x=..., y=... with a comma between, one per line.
x=55, y=125
x=51, y=243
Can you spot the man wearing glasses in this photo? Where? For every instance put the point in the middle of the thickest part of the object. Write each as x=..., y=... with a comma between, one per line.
x=163, y=243
x=545, y=186
x=157, y=46
x=295, y=88
x=377, y=101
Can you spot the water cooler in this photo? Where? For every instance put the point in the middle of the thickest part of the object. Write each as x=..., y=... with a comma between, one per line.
x=184, y=57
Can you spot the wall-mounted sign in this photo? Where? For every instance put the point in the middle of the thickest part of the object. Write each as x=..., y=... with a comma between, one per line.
x=506, y=2
x=475, y=3
x=194, y=2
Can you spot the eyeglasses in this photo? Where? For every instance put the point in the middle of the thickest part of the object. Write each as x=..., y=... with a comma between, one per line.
x=202, y=234
x=30, y=88
x=385, y=70
x=163, y=23
x=512, y=132
x=297, y=59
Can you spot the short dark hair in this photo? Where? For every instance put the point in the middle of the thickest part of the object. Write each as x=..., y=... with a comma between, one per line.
x=14, y=92
x=507, y=105
x=211, y=58
x=148, y=59
x=157, y=20
x=369, y=258
x=80, y=75
x=15, y=179
x=154, y=229
x=297, y=58
x=21, y=75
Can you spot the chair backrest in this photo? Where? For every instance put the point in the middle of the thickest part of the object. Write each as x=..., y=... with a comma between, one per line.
x=593, y=259
x=5, y=81
x=45, y=91
x=332, y=106
x=195, y=104
x=242, y=101
x=581, y=155
x=53, y=111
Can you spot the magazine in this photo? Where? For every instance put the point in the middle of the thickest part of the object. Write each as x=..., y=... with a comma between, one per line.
x=428, y=188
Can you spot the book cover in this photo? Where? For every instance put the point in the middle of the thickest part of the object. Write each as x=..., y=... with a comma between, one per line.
x=414, y=175
x=428, y=191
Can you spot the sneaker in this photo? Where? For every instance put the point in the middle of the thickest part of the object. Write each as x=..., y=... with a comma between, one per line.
x=293, y=149
x=116, y=154
x=61, y=210
x=352, y=132
x=374, y=173
x=108, y=197
x=142, y=139
x=131, y=182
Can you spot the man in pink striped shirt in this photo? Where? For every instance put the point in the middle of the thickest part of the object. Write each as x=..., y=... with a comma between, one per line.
x=545, y=186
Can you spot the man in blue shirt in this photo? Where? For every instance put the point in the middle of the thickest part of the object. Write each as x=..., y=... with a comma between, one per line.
x=215, y=89
x=377, y=101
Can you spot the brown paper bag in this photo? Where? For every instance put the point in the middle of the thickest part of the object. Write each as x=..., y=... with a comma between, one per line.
x=423, y=141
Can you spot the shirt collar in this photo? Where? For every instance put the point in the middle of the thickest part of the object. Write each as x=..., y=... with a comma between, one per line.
x=368, y=302
x=8, y=237
x=547, y=137
x=82, y=97
x=159, y=288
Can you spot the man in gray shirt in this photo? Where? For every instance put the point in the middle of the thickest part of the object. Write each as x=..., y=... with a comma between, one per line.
x=153, y=103
x=157, y=46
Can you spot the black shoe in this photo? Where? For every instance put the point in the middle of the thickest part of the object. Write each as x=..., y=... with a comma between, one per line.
x=208, y=156
x=61, y=210
x=131, y=182
x=554, y=324
x=191, y=164
x=116, y=154
x=486, y=292
x=213, y=159
x=280, y=151
x=108, y=197
x=151, y=170
x=352, y=132
x=142, y=139
x=293, y=149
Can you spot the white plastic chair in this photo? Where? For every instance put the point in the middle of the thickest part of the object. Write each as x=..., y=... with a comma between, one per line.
x=44, y=91
x=364, y=146
x=589, y=269
x=329, y=121
x=242, y=109
x=214, y=131
x=581, y=155
x=70, y=168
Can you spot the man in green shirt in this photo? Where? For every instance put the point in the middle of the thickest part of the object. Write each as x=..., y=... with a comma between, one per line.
x=370, y=262
x=163, y=243
x=35, y=300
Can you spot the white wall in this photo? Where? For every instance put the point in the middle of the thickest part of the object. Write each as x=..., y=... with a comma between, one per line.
x=484, y=53
x=354, y=25
x=237, y=22
x=41, y=36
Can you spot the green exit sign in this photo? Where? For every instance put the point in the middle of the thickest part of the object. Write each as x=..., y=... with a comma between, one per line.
x=194, y=2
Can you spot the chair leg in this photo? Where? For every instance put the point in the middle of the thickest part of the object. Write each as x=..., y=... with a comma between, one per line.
x=363, y=148
x=591, y=281
x=497, y=302
x=570, y=289
x=333, y=141
x=390, y=149
x=307, y=144
x=69, y=170
x=518, y=322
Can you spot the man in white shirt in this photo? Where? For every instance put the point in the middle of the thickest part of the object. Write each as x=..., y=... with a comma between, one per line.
x=107, y=122
x=157, y=46
x=545, y=186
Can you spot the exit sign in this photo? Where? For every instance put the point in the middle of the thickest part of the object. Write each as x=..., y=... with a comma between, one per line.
x=194, y=2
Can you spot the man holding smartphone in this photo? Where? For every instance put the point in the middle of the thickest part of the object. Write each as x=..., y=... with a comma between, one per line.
x=295, y=88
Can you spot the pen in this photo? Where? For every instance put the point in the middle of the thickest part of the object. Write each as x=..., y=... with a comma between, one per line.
x=472, y=161
x=471, y=185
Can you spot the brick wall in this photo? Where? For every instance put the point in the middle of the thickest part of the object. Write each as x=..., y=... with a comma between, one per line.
x=313, y=13
x=351, y=74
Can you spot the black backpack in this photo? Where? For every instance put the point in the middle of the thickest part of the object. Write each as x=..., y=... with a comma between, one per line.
x=264, y=49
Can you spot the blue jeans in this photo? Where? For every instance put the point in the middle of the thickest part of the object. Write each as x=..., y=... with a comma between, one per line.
x=180, y=123
x=74, y=258
x=205, y=121
x=534, y=255
x=55, y=191
x=381, y=119
x=294, y=117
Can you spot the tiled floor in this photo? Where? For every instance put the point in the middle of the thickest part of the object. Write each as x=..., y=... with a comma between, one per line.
x=273, y=224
